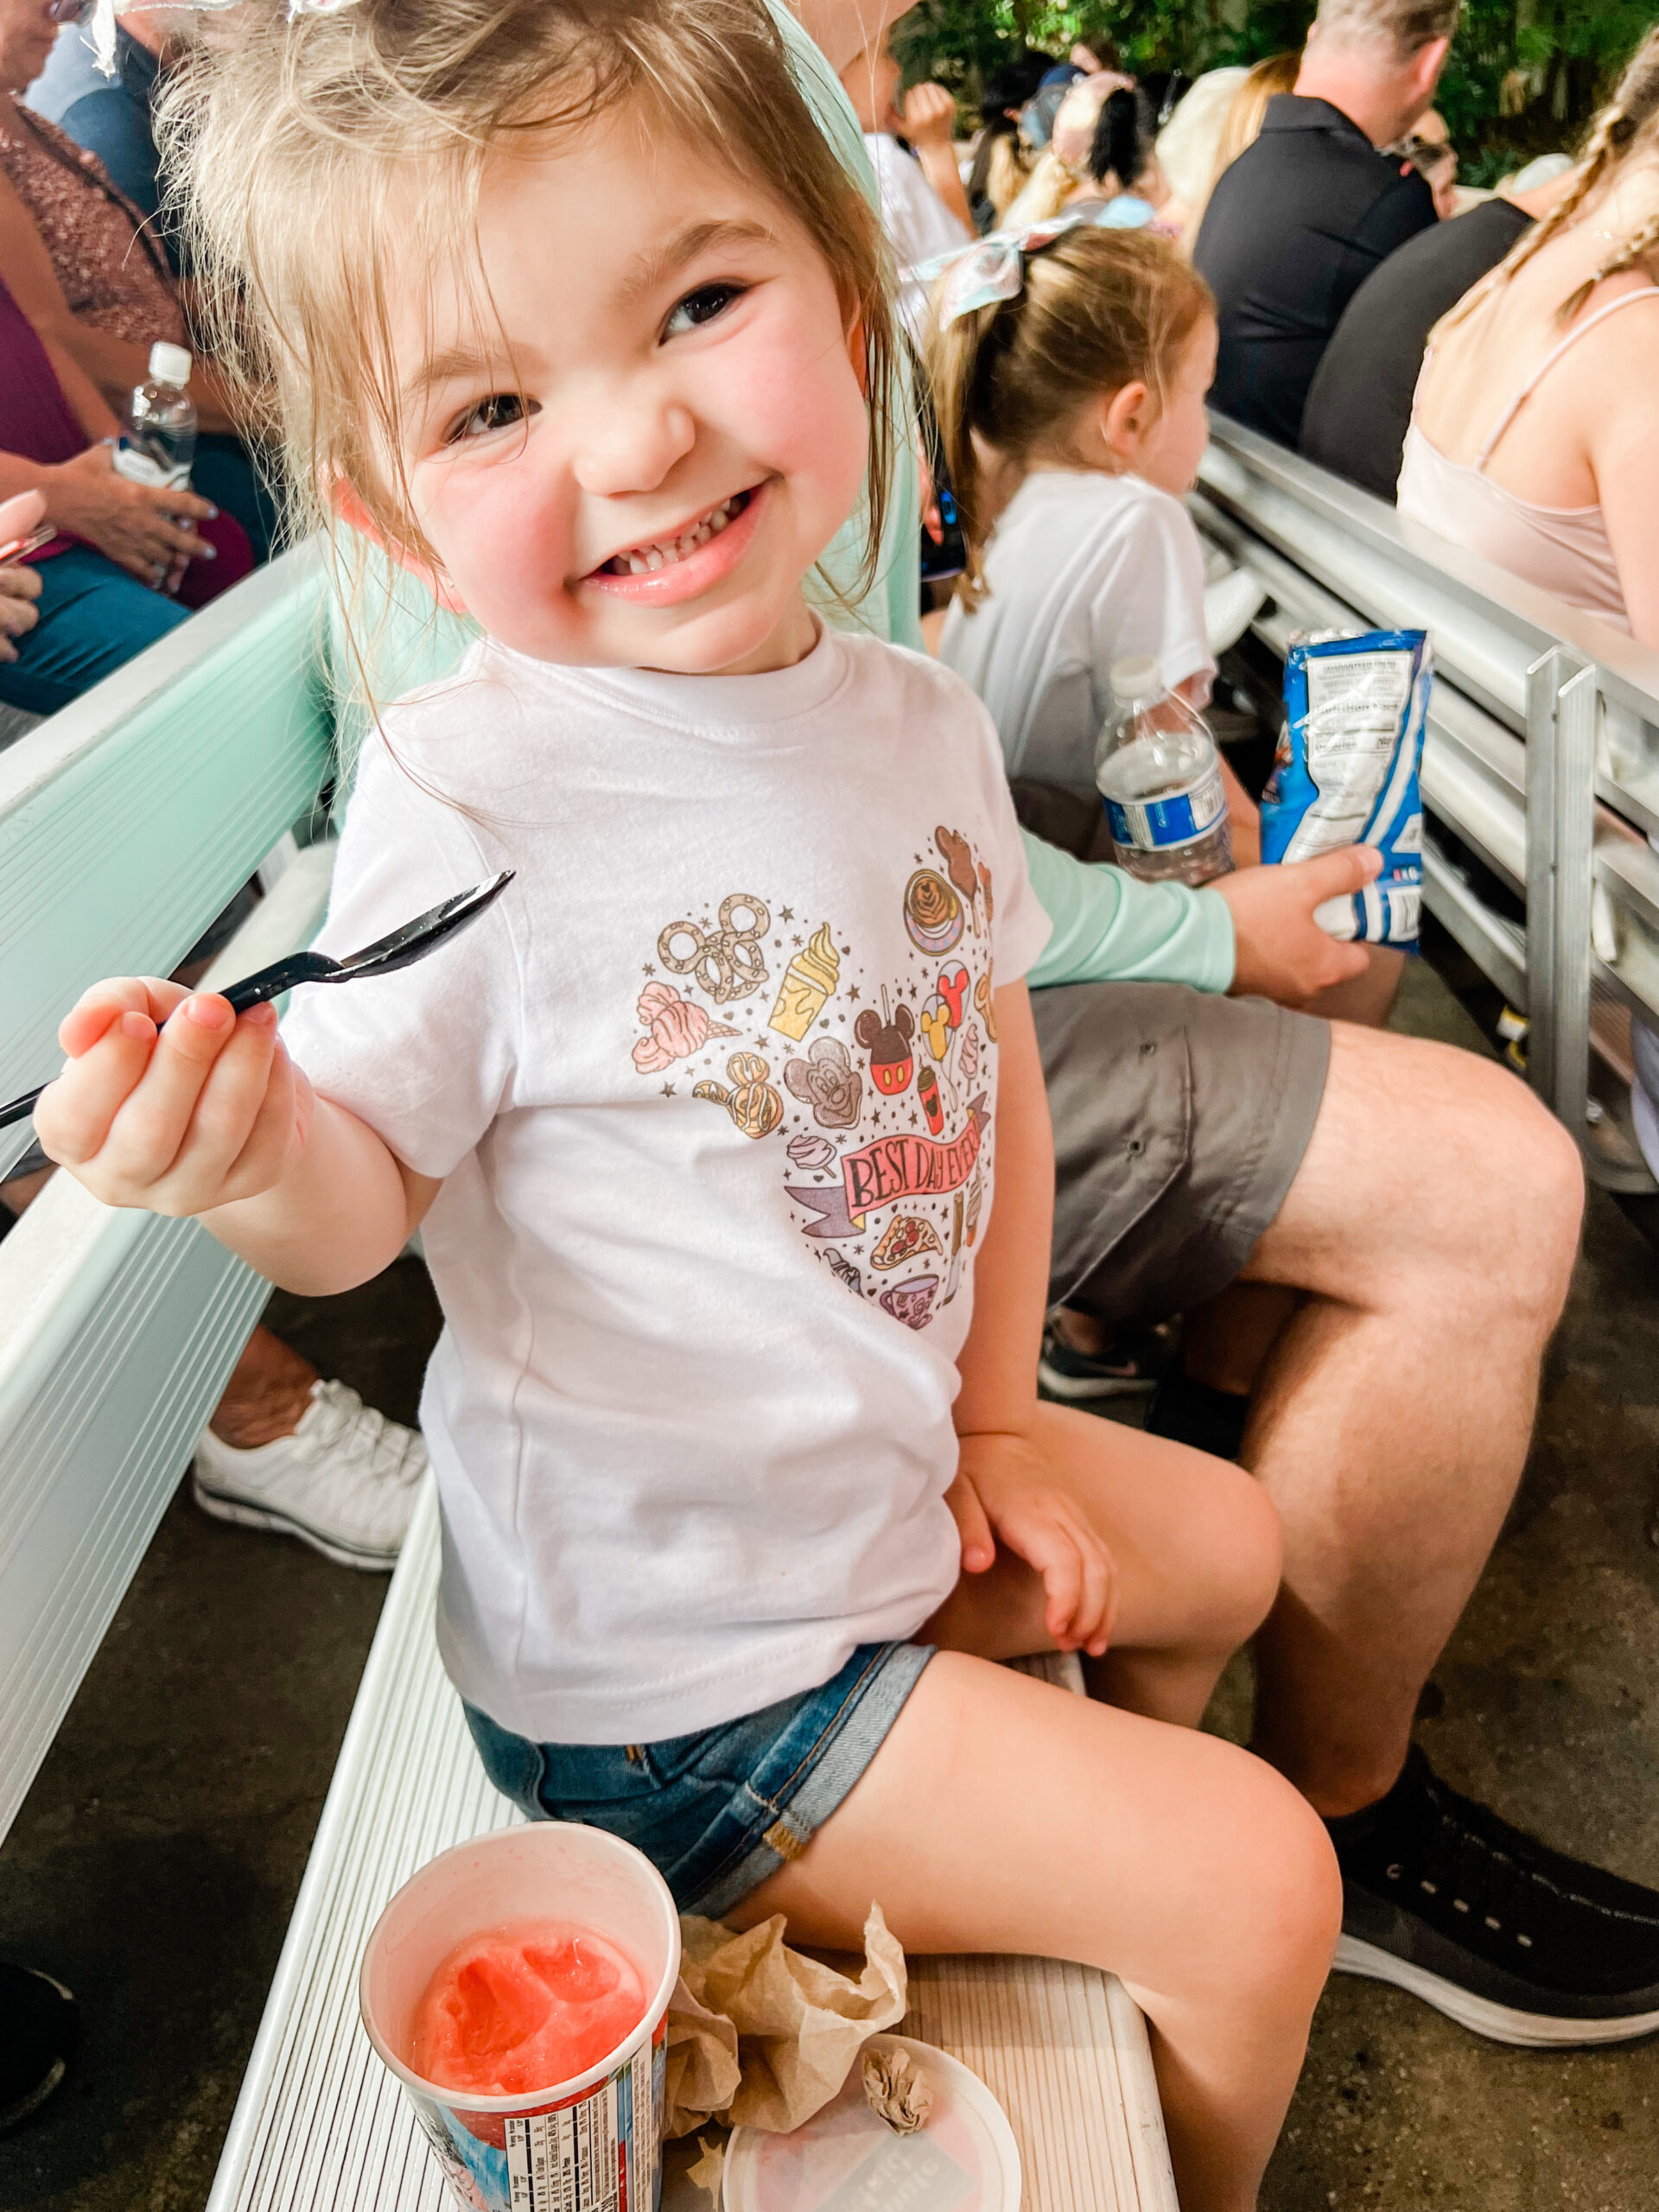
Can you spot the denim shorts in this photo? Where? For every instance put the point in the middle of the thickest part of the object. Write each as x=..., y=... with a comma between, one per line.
x=718, y=1811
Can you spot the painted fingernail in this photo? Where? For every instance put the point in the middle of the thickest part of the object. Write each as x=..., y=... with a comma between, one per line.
x=212, y=511
x=208, y=1011
x=138, y=1026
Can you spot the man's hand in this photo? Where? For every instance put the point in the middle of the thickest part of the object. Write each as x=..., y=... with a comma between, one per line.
x=1003, y=1493
x=930, y=116
x=1280, y=951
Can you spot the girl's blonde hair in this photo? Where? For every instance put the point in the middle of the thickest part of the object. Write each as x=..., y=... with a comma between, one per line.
x=1099, y=310
x=324, y=165
x=1628, y=126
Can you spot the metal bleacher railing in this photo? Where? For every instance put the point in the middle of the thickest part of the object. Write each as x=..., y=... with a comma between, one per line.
x=1542, y=762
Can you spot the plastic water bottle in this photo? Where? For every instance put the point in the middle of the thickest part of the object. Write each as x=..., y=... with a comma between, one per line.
x=160, y=443
x=1159, y=775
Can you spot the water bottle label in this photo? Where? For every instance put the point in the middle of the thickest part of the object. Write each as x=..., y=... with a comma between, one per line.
x=1156, y=825
x=141, y=468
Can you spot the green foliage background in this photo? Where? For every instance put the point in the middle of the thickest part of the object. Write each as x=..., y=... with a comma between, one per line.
x=1523, y=78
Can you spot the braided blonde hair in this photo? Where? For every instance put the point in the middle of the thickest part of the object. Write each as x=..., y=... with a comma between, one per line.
x=1629, y=124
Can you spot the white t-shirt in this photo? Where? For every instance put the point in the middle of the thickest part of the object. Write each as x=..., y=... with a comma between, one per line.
x=712, y=1091
x=1083, y=570
x=917, y=223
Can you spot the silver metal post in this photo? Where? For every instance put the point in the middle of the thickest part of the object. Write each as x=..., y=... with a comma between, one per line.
x=1561, y=704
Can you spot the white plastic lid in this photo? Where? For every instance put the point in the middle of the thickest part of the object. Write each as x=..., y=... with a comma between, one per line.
x=169, y=364
x=964, y=2155
x=1137, y=677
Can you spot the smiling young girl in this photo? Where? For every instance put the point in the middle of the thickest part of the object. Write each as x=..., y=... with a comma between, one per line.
x=726, y=1127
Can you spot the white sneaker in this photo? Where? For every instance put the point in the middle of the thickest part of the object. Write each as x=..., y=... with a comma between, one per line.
x=344, y=1481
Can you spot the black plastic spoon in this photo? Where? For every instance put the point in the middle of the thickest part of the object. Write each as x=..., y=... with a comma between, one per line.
x=401, y=950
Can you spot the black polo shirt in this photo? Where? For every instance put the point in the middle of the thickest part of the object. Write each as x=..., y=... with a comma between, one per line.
x=1292, y=231
x=1360, y=402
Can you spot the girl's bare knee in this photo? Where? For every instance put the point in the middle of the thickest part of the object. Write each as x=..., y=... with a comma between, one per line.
x=1289, y=1910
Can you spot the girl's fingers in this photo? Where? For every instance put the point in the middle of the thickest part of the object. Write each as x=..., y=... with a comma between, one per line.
x=272, y=1141
x=95, y=1009
x=973, y=1526
x=1061, y=1567
x=149, y=1131
x=226, y=1109
x=74, y=1114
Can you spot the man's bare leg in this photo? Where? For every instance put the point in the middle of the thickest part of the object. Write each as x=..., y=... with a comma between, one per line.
x=1434, y=1221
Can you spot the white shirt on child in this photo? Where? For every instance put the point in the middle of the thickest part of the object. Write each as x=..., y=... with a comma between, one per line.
x=712, y=1091
x=917, y=223
x=1083, y=570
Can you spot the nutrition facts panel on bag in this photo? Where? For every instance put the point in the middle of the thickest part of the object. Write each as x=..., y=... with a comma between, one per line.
x=572, y=2161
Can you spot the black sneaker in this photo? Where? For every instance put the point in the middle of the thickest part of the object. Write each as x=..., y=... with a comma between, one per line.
x=1509, y=1938
x=1130, y=1363
x=38, y=2026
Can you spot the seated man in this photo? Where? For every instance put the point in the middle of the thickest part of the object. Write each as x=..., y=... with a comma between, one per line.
x=1303, y=216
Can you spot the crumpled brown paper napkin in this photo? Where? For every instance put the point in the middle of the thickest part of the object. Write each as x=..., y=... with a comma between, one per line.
x=760, y=2036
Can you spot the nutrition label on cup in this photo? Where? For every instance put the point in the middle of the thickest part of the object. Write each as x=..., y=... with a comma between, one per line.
x=596, y=2156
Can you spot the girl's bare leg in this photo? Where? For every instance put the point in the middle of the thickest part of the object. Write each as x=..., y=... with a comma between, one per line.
x=1001, y=1814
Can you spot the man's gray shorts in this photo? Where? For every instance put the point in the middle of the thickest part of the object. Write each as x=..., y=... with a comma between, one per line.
x=1180, y=1123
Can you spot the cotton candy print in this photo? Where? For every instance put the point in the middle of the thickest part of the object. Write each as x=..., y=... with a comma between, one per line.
x=873, y=1081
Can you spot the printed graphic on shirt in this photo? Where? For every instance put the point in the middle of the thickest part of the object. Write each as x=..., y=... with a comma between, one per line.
x=877, y=1084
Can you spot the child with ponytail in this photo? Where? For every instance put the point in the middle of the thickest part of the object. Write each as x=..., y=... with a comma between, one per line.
x=726, y=1125
x=1069, y=382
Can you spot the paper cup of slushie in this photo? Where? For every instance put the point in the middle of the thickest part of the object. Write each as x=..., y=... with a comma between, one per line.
x=517, y=1986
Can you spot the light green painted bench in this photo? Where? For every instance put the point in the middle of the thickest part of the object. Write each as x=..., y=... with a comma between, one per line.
x=127, y=824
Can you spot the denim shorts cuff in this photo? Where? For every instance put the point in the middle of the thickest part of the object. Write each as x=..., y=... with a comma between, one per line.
x=844, y=1752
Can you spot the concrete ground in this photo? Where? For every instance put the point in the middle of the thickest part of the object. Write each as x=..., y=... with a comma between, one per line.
x=156, y=1860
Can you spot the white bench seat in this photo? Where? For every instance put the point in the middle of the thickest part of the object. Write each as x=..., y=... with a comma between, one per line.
x=321, y=2126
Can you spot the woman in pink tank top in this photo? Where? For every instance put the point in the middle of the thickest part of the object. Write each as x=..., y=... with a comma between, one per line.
x=1532, y=442
x=1532, y=439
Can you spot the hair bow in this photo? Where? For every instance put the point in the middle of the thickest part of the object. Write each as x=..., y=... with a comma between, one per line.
x=995, y=268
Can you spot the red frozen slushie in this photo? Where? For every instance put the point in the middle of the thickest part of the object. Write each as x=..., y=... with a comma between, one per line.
x=524, y=2006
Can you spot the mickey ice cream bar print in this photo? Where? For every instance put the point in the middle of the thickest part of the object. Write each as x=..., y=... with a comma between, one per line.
x=875, y=1084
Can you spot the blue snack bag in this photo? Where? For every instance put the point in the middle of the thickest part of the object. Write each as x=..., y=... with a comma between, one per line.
x=1346, y=773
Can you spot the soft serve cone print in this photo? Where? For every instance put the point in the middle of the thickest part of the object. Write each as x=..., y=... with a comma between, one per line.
x=809, y=984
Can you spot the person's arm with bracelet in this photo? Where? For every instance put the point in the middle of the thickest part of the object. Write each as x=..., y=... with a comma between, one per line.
x=1252, y=932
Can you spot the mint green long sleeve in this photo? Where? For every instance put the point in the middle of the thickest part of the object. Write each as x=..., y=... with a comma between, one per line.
x=1109, y=928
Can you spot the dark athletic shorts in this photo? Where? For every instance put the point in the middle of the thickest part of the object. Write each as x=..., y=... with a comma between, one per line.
x=1180, y=1123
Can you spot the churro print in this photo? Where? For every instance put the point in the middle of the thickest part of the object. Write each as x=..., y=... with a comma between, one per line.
x=876, y=1085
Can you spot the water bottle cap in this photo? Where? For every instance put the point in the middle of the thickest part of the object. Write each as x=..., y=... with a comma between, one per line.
x=169, y=364
x=1137, y=677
